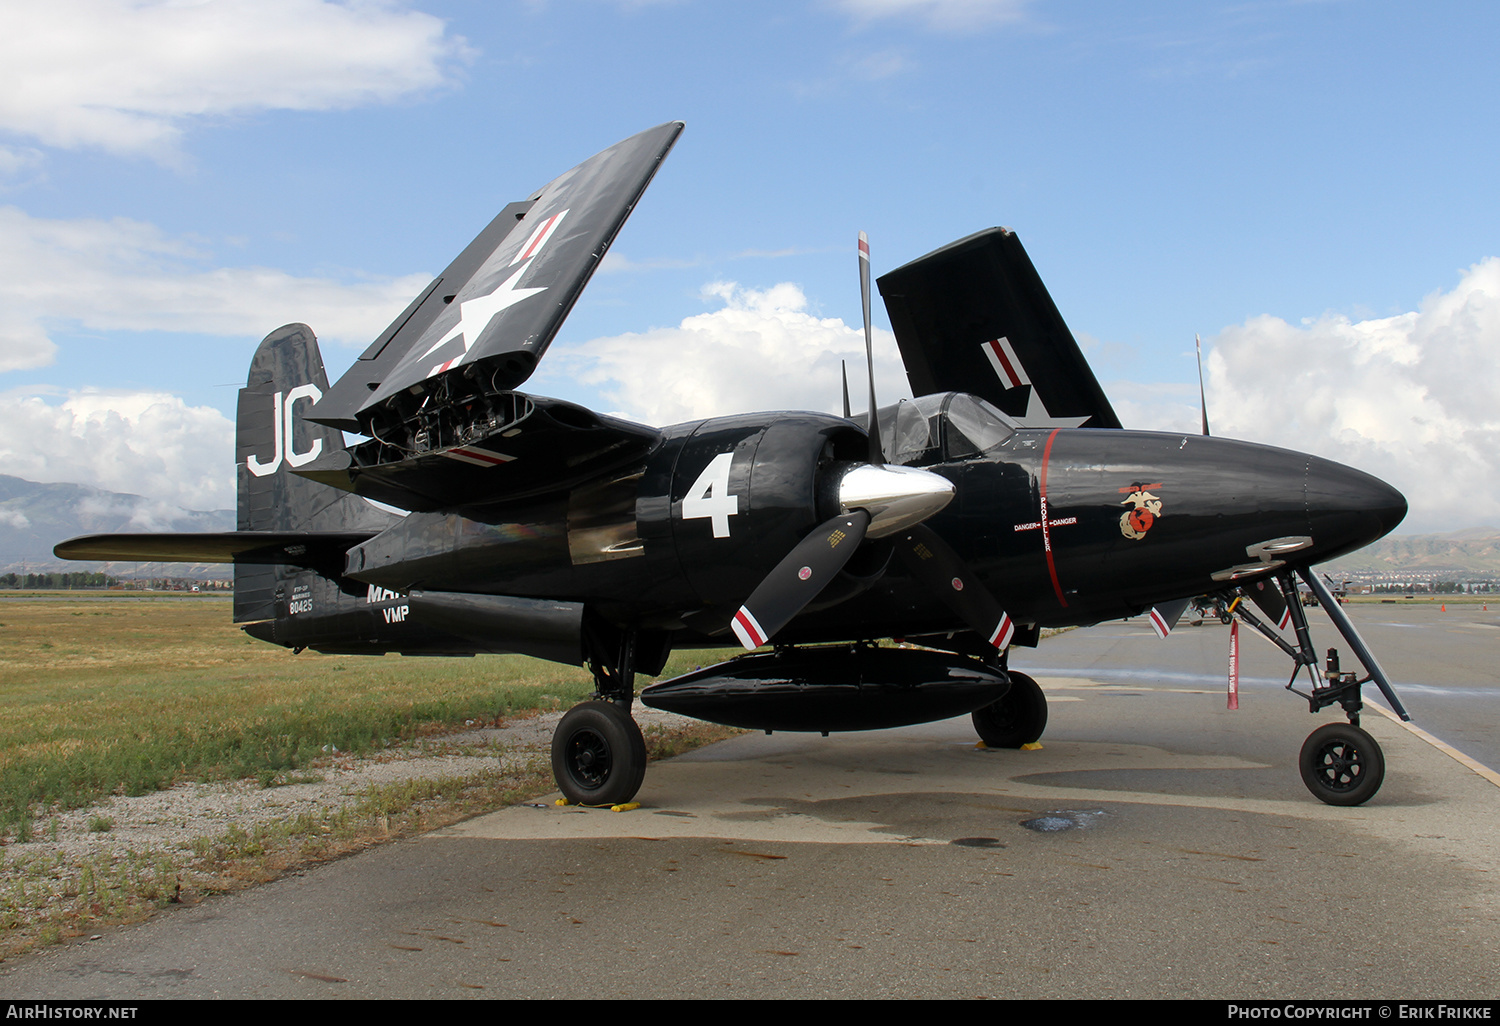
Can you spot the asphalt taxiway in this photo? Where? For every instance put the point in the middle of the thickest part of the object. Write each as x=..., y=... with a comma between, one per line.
x=1158, y=845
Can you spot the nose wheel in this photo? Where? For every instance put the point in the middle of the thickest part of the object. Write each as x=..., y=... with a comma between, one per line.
x=1341, y=764
x=598, y=754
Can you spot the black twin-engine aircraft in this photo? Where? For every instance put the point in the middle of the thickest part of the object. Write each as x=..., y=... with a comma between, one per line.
x=1005, y=498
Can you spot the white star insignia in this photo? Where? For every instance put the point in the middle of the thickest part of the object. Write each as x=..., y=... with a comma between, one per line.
x=474, y=315
x=1038, y=416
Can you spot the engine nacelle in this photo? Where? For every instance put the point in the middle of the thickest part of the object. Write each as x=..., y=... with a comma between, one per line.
x=732, y=496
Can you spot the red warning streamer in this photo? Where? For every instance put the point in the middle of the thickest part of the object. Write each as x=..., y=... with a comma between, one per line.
x=1234, y=665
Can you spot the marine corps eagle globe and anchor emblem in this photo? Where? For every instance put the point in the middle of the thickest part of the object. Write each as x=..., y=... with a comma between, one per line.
x=1144, y=510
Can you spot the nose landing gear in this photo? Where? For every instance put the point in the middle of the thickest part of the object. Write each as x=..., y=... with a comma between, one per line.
x=1340, y=763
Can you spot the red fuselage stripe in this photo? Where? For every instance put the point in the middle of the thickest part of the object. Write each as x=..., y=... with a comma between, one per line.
x=1046, y=534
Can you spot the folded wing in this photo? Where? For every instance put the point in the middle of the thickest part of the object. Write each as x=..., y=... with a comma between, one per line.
x=975, y=317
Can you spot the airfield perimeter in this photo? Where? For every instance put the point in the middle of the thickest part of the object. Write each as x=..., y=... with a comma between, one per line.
x=1191, y=863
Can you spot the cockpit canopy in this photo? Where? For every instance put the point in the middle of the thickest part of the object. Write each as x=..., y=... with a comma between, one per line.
x=941, y=427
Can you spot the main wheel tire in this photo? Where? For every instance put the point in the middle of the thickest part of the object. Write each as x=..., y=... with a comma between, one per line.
x=1015, y=720
x=1342, y=765
x=598, y=755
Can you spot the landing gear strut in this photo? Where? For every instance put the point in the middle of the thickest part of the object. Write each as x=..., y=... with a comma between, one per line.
x=598, y=753
x=1341, y=764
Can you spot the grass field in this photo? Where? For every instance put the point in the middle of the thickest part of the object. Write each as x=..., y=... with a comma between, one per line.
x=125, y=694
x=104, y=696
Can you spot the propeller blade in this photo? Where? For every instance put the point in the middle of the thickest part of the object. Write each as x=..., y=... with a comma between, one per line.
x=877, y=455
x=844, y=373
x=944, y=572
x=1267, y=596
x=1202, y=396
x=1165, y=616
x=798, y=578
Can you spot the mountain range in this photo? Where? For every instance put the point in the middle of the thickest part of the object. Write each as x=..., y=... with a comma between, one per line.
x=1457, y=555
x=34, y=517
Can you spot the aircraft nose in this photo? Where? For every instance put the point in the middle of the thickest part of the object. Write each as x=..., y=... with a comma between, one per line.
x=1347, y=508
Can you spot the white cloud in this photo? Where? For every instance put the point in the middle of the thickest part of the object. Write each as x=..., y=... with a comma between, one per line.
x=947, y=15
x=1169, y=406
x=127, y=75
x=126, y=275
x=761, y=351
x=1413, y=399
x=141, y=443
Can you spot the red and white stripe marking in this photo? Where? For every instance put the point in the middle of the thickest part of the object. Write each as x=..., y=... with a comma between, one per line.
x=1159, y=623
x=1002, y=357
x=445, y=365
x=1003, y=632
x=477, y=457
x=748, y=629
x=539, y=237
x=864, y=247
x=1286, y=616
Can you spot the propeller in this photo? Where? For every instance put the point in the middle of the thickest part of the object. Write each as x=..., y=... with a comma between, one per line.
x=798, y=578
x=1268, y=598
x=1202, y=396
x=876, y=500
x=933, y=562
x=1164, y=617
x=876, y=455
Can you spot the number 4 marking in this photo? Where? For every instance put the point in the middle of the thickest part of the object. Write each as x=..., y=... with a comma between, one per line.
x=709, y=496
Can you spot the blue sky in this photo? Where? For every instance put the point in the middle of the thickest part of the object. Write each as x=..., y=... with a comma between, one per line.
x=1307, y=185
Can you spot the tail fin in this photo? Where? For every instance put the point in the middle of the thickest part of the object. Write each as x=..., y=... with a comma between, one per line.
x=273, y=438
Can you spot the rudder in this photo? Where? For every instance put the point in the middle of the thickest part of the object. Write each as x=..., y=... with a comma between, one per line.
x=274, y=437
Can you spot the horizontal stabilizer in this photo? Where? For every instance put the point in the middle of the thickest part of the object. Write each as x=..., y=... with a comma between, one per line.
x=312, y=549
x=975, y=317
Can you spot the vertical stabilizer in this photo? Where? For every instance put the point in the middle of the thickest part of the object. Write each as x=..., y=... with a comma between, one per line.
x=274, y=438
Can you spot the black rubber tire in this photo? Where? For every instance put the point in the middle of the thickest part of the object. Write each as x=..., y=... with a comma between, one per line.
x=598, y=755
x=1341, y=764
x=1015, y=720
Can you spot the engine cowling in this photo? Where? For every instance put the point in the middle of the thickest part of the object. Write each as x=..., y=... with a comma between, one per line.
x=731, y=496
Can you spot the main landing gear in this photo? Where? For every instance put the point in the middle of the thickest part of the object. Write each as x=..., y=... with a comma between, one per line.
x=1017, y=719
x=1340, y=763
x=598, y=753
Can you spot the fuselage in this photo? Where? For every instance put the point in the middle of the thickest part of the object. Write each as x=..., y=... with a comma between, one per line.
x=1065, y=526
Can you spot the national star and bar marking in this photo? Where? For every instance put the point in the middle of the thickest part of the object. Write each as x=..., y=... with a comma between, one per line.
x=475, y=315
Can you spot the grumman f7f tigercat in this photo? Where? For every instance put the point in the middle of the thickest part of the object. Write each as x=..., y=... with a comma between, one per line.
x=1005, y=498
